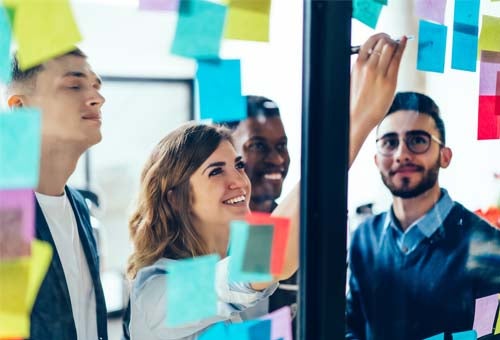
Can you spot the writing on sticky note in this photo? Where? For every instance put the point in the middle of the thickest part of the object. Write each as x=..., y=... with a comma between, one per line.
x=17, y=218
x=193, y=278
x=159, y=5
x=468, y=335
x=367, y=11
x=248, y=20
x=488, y=118
x=431, y=47
x=5, y=39
x=19, y=148
x=436, y=337
x=280, y=237
x=257, y=256
x=219, y=87
x=484, y=315
x=238, y=239
x=281, y=323
x=490, y=31
x=44, y=30
x=431, y=10
x=488, y=71
x=199, y=29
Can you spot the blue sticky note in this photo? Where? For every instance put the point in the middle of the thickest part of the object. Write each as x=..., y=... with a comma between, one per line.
x=468, y=335
x=215, y=332
x=238, y=238
x=467, y=12
x=431, y=46
x=199, y=29
x=367, y=11
x=191, y=295
x=436, y=337
x=464, y=52
x=20, y=136
x=219, y=86
x=250, y=330
x=5, y=39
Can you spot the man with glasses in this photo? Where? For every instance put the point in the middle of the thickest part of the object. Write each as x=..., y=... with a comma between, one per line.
x=417, y=269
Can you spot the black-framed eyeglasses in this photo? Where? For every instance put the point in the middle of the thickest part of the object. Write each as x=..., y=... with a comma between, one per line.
x=417, y=141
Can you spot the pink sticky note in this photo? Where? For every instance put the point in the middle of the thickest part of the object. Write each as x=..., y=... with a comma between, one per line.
x=281, y=323
x=488, y=73
x=17, y=219
x=432, y=10
x=159, y=5
x=484, y=316
x=488, y=118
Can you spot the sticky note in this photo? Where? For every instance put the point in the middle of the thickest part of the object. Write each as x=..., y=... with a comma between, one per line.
x=467, y=12
x=257, y=256
x=468, y=335
x=5, y=39
x=191, y=283
x=19, y=148
x=431, y=47
x=159, y=5
x=238, y=238
x=280, y=237
x=44, y=29
x=490, y=31
x=20, y=280
x=383, y=2
x=367, y=11
x=464, y=51
x=484, y=315
x=250, y=330
x=488, y=71
x=17, y=218
x=281, y=323
x=431, y=10
x=215, y=332
x=199, y=29
x=248, y=20
x=488, y=118
x=219, y=86
x=436, y=337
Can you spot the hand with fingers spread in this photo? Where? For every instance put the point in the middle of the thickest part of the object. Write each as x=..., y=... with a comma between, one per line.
x=373, y=83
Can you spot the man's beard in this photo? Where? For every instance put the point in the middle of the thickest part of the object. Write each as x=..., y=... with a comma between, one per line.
x=428, y=180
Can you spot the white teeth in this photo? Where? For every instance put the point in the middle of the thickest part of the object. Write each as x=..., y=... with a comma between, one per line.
x=274, y=176
x=235, y=200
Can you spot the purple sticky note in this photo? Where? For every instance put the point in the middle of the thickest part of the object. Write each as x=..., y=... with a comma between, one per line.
x=489, y=68
x=281, y=323
x=159, y=5
x=484, y=316
x=17, y=219
x=432, y=10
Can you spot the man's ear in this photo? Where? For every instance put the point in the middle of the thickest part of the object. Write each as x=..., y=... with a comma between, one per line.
x=446, y=156
x=15, y=101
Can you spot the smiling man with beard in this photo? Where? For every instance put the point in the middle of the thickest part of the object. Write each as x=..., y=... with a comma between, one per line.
x=417, y=269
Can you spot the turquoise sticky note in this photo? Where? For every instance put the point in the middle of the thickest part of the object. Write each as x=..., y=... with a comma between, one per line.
x=5, y=39
x=219, y=87
x=367, y=11
x=215, y=332
x=436, y=337
x=467, y=12
x=258, y=249
x=464, y=52
x=431, y=46
x=19, y=148
x=238, y=238
x=199, y=29
x=191, y=295
x=250, y=330
x=468, y=335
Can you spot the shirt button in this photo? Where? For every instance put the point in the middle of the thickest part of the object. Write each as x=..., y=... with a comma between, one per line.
x=404, y=249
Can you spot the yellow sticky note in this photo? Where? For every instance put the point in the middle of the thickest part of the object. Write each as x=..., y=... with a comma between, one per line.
x=497, y=324
x=248, y=20
x=490, y=31
x=44, y=29
x=20, y=281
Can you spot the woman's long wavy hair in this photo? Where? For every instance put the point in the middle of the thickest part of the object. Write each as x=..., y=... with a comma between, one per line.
x=161, y=225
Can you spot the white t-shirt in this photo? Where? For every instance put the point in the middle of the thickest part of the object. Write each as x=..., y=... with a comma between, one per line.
x=62, y=224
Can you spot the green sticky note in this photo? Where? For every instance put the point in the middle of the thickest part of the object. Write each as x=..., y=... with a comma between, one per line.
x=248, y=20
x=383, y=2
x=5, y=38
x=238, y=239
x=199, y=29
x=191, y=295
x=44, y=29
x=20, y=136
x=490, y=33
x=367, y=11
x=258, y=249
